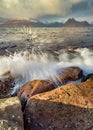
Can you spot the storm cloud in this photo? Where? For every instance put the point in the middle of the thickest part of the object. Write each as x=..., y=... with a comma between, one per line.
x=42, y=9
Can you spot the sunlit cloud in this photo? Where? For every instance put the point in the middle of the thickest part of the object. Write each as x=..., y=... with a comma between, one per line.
x=34, y=8
x=42, y=8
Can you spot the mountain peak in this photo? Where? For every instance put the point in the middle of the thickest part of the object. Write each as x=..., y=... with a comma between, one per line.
x=71, y=19
x=74, y=23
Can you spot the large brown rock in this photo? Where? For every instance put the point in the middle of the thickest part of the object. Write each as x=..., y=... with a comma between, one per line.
x=72, y=73
x=34, y=87
x=69, y=107
x=39, y=86
x=10, y=114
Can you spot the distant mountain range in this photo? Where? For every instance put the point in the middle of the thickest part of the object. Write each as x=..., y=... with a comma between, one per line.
x=4, y=22
x=21, y=23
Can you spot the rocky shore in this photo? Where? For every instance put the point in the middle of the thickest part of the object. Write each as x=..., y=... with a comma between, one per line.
x=45, y=105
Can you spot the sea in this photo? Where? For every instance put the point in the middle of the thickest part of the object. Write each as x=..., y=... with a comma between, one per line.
x=38, y=53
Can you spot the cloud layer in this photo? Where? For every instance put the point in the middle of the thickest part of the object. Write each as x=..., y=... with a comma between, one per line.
x=44, y=8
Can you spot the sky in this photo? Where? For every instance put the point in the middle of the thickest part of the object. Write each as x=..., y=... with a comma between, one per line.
x=47, y=10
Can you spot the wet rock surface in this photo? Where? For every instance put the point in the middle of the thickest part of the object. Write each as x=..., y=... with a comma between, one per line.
x=34, y=87
x=6, y=85
x=39, y=86
x=72, y=73
x=11, y=117
x=5, y=90
x=69, y=107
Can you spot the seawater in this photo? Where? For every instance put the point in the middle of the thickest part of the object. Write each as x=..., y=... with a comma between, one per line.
x=26, y=66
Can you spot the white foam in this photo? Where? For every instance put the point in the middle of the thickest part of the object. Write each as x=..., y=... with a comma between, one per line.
x=27, y=67
x=83, y=60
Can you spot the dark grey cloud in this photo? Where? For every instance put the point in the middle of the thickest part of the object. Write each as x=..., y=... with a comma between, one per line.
x=85, y=7
x=82, y=6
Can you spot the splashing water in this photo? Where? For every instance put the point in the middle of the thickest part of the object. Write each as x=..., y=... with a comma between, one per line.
x=27, y=67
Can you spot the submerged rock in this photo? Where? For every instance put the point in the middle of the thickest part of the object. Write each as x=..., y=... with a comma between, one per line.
x=10, y=114
x=69, y=107
x=72, y=47
x=33, y=88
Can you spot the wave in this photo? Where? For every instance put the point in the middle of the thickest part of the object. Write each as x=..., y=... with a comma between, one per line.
x=26, y=67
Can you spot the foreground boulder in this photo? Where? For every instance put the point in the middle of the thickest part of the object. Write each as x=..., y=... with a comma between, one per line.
x=72, y=73
x=69, y=107
x=10, y=114
x=33, y=88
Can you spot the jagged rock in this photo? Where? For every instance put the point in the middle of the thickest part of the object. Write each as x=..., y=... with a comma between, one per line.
x=10, y=114
x=6, y=84
x=9, y=82
x=33, y=88
x=8, y=79
x=4, y=90
x=69, y=107
x=72, y=73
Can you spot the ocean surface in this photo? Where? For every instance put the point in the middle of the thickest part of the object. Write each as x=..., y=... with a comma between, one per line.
x=38, y=53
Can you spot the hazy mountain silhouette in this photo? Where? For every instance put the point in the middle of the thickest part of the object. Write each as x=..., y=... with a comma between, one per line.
x=3, y=20
x=35, y=23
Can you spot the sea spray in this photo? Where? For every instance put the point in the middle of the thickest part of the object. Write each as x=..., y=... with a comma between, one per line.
x=82, y=57
x=26, y=67
x=38, y=64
